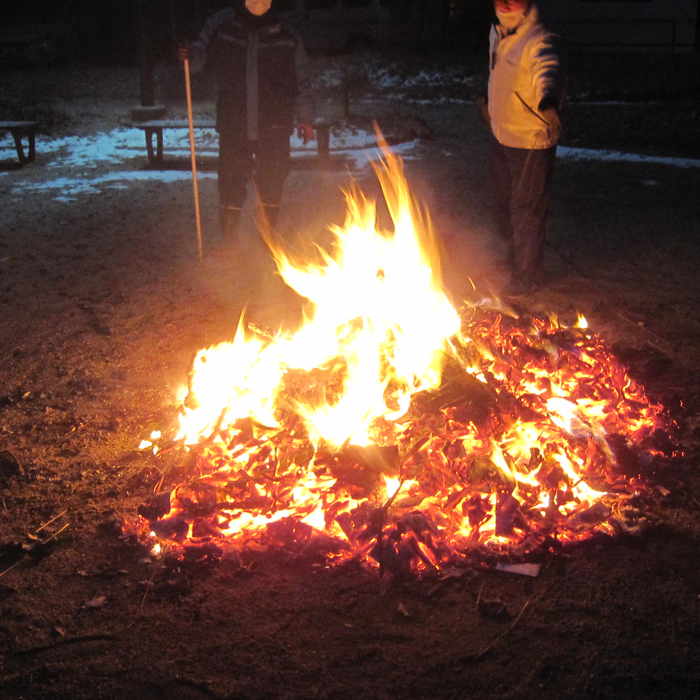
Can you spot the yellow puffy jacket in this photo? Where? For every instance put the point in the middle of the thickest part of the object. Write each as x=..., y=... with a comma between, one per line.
x=526, y=76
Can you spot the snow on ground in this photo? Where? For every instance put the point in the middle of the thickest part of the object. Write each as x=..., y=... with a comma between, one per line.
x=124, y=144
x=593, y=154
x=400, y=79
x=125, y=149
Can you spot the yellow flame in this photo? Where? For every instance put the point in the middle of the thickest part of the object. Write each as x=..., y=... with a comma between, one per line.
x=376, y=318
x=377, y=328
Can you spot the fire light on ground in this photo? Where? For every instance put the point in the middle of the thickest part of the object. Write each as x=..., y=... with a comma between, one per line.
x=391, y=427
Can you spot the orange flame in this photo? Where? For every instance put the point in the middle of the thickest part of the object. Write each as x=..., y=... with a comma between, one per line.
x=401, y=430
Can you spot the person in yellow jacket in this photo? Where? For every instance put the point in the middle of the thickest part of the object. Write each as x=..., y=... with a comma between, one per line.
x=525, y=93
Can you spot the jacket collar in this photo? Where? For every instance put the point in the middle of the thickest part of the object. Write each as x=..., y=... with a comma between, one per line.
x=251, y=22
x=529, y=18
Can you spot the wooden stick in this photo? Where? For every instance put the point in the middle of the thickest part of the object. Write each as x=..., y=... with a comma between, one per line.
x=9, y=568
x=503, y=634
x=194, y=162
x=56, y=534
x=50, y=521
x=139, y=612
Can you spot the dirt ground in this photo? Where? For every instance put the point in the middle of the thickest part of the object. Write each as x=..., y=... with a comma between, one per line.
x=103, y=304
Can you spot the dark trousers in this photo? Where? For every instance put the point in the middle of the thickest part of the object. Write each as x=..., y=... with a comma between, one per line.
x=521, y=182
x=265, y=161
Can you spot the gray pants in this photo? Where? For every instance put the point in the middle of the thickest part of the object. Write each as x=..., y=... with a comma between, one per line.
x=521, y=182
x=265, y=161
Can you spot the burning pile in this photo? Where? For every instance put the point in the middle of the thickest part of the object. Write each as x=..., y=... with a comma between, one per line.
x=394, y=429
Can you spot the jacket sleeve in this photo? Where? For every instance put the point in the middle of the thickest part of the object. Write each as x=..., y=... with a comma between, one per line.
x=201, y=46
x=548, y=72
x=305, y=108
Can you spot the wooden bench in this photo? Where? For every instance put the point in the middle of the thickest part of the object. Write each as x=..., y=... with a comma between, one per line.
x=156, y=127
x=18, y=131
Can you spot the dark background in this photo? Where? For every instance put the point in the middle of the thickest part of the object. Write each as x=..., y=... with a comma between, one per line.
x=108, y=32
x=118, y=32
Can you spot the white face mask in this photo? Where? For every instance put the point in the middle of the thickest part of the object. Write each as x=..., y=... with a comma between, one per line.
x=258, y=7
x=510, y=20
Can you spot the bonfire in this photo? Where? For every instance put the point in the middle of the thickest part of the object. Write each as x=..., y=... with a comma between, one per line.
x=393, y=428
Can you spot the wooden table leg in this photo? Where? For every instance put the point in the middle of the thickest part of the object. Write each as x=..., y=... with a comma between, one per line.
x=32, y=145
x=17, y=135
x=149, y=145
x=154, y=157
x=323, y=138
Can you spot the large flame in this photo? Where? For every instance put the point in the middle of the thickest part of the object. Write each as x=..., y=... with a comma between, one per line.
x=402, y=429
x=377, y=322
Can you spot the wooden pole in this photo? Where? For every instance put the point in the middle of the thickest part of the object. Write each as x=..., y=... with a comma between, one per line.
x=194, y=161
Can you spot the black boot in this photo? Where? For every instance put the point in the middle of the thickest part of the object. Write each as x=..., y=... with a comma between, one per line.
x=229, y=219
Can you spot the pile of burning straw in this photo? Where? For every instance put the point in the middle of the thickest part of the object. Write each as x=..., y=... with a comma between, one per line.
x=393, y=429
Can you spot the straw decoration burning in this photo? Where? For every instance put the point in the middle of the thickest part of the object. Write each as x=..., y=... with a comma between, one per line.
x=394, y=429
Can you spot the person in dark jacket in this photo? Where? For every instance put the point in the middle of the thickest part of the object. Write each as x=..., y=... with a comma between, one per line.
x=261, y=72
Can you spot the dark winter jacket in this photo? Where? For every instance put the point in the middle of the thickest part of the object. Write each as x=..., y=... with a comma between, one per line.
x=260, y=67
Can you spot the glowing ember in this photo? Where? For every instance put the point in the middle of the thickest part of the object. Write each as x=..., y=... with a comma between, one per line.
x=392, y=428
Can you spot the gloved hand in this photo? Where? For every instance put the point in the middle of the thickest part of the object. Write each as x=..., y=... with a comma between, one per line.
x=482, y=107
x=551, y=116
x=305, y=132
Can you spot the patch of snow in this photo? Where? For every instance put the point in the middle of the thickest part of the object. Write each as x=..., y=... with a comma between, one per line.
x=114, y=147
x=388, y=78
x=435, y=78
x=328, y=79
x=69, y=187
x=617, y=156
x=127, y=147
x=384, y=79
x=438, y=101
